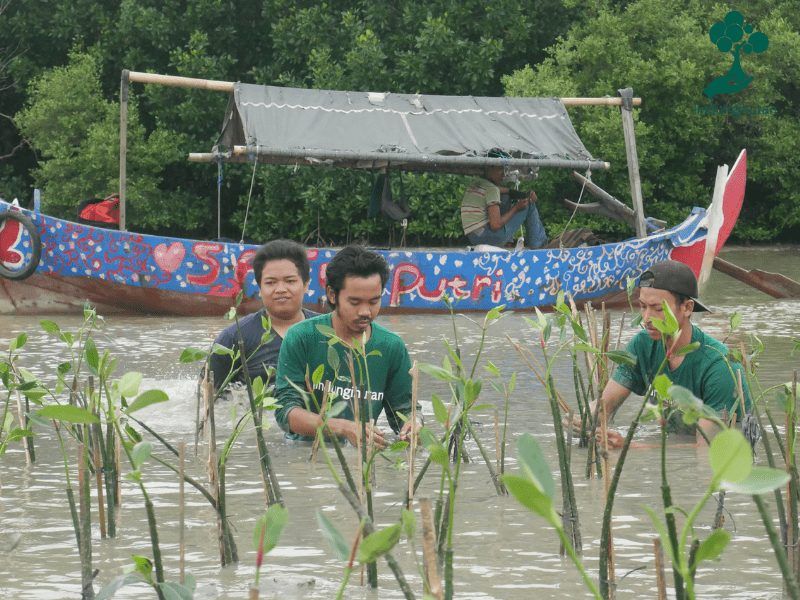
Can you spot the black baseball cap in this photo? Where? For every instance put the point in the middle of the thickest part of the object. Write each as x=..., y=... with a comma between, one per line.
x=675, y=277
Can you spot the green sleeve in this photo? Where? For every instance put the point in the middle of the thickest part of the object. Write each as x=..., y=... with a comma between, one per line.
x=397, y=395
x=721, y=387
x=630, y=377
x=292, y=362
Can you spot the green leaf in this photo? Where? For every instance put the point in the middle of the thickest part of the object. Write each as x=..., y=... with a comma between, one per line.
x=129, y=384
x=19, y=341
x=143, y=566
x=112, y=588
x=492, y=369
x=140, y=453
x=735, y=320
x=760, y=480
x=274, y=520
x=146, y=399
x=662, y=533
x=219, y=349
x=17, y=434
x=50, y=327
x=333, y=359
x=333, y=537
x=335, y=410
x=92, y=356
x=316, y=376
x=579, y=331
x=687, y=349
x=730, y=456
x=711, y=547
x=327, y=331
x=409, y=523
x=670, y=322
x=534, y=465
x=437, y=372
x=532, y=498
x=494, y=314
x=622, y=357
x=379, y=543
x=190, y=355
x=172, y=590
x=661, y=384
x=67, y=413
x=586, y=348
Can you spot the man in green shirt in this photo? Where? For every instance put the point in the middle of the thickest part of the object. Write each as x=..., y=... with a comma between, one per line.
x=707, y=372
x=355, y=281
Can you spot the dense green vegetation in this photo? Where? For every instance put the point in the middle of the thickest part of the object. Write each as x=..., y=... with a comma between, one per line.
x=60, y=64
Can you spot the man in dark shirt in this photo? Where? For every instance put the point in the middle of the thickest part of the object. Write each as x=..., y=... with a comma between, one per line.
x=282, y=271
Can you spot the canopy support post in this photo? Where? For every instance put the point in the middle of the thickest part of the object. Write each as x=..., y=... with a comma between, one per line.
x=123, y=145
x=633, y=160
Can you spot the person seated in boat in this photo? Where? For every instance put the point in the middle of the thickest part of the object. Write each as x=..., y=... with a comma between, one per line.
x=282, y=273
x=706, y=372
x=355, y=282
x=490, y=214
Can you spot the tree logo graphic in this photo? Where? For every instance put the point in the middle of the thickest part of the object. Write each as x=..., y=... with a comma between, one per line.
x=733, y=35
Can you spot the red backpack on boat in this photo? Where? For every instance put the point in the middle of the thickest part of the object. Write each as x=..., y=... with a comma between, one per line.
x=100, y=212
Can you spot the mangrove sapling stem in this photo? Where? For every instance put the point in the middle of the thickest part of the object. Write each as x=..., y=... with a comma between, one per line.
x=771, y=462
x=789, y=579
x=412, y=446
x=666, y=497
x=498, y=486
x=98, y=473
x=352, y=499
x=451, y=509
x=271, y=483
x=350, y=561
x=85, y=518
x=612, y=490
x=570, y=516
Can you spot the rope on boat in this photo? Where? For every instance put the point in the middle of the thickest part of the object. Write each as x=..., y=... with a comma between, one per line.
x=249, y=196
x=35, y=243
x=575, y=210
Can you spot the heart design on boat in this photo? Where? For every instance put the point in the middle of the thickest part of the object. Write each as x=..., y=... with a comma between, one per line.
x=169, y=258
x=10, y=235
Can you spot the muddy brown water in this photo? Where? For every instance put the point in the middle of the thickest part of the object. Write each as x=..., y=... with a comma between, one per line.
x=501, y=551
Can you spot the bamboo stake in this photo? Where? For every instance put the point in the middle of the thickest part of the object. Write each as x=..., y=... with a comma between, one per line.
x=412, y=447
x=117, y=479
x=661, y=580
x=433, y=582
x=98, y=474
x=181, y=512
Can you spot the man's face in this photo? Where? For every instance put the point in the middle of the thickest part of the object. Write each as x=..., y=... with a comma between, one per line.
x=359, y=302
x=282, y=289
x=495, y=175
x=650, y=305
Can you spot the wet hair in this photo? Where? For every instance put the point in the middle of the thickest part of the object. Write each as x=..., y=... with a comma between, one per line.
x=282, y=250
x=354, y=261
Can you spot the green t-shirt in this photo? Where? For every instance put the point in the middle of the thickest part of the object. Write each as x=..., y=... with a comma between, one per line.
x=386, y=384
x=480, y=194
x=707, y=372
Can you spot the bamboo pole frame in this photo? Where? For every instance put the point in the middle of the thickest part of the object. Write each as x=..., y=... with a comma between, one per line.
x=241, y=153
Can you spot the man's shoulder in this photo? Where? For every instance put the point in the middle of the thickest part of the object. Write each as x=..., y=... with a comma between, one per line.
x=308, y=326
x=711, y=349
x=246, y=323
x=386, y=337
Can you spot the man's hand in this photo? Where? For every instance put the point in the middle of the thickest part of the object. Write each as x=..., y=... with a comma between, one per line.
x=408, y=430
x=532, y=197
x=522, y=204
x=351, y=430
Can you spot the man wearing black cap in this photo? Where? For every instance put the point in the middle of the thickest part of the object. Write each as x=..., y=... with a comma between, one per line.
x=706, y=371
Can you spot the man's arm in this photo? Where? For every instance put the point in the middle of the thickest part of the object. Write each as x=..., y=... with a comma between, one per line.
x=305, y=422
x=614, y=394
x=498, y=219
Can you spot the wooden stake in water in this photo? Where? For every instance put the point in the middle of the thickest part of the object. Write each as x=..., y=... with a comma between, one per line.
x=661, y=581
x=433, y=582
x=181, y=512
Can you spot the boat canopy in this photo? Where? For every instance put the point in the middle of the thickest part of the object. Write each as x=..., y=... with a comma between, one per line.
x=409, y=131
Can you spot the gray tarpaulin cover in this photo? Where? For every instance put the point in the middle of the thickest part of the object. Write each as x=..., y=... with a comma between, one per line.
x=341, y=125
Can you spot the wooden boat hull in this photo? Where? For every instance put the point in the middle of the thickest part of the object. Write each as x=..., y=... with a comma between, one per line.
x=129, y=272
